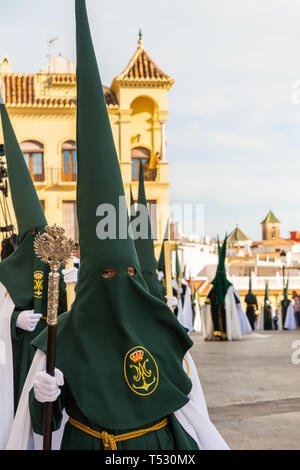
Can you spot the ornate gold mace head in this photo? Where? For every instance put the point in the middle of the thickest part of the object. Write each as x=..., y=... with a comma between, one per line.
x=55, y=249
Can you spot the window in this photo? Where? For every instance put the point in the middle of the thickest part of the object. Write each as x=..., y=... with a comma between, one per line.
x=70, y=219
x=34, y=156
x=143, y=154
x=69, y=161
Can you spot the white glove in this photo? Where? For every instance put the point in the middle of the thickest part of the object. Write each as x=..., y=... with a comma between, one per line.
x=160, y=275
x=70, y=275
x=27, y=320
x=46, y=388
x=180, y=290
x=172, y=302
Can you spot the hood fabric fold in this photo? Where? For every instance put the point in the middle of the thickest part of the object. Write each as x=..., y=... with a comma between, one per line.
x=120, y=348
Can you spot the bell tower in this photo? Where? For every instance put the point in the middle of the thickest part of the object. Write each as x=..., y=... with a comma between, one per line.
x=270, y=227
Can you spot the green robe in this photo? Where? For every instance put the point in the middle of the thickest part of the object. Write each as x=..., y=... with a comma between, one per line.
x=171, y=437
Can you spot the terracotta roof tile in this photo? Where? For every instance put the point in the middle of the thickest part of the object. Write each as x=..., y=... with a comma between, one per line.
x=142, y=67
x=20, y=90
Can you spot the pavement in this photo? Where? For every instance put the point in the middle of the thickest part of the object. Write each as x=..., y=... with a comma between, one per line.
x=252, y=388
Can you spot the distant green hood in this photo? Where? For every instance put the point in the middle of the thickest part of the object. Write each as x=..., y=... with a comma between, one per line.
x=20, y=272
x=117, y=335
x=145, y=247
x=161, y=261
x=250, y=284
x=220, y=281
x=266, y=291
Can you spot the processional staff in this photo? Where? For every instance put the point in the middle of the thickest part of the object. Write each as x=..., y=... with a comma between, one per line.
x=55, y=249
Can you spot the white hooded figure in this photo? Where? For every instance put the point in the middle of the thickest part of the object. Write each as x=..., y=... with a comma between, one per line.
x=244, y=322
x=219, y=314
x=185, y=315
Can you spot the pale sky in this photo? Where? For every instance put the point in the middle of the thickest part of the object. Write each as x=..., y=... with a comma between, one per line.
x=233, y=131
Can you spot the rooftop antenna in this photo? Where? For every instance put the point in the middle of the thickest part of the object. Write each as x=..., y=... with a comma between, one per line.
x=49, y=58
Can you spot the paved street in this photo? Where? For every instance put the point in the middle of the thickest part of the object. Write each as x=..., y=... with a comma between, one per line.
x=252, y=389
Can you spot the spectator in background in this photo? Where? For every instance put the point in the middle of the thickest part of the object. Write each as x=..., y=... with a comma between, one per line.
x=296, y=302
x=76, y=254
x=154, y=159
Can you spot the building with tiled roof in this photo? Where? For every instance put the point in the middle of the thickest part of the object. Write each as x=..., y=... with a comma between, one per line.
x=42, y=107
x=237, y=237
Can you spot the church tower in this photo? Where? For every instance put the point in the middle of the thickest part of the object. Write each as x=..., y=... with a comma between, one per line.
x=270, y=227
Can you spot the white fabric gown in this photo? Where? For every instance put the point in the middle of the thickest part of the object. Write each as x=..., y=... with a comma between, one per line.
x=185, y=315
x=193, y=417
x=6, y=367
x=290, y=320
x=244, y=322
x=197, y=321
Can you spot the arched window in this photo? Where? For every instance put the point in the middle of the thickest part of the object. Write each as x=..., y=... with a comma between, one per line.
x=69, y=161
x=137, y=154
x=34, y=156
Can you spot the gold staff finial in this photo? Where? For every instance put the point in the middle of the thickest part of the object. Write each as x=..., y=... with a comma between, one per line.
x=55, y=249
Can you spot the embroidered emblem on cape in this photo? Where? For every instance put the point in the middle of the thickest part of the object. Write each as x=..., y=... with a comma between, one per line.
x=38, y=284
x=141, y=371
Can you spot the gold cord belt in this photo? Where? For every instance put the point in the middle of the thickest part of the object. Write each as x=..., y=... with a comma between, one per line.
x=44, y=318
x=110, y=440
x=251, y=305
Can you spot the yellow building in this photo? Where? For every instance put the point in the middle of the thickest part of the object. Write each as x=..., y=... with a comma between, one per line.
x=42, y=108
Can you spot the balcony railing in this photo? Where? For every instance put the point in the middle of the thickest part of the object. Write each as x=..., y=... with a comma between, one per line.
x=54, y=176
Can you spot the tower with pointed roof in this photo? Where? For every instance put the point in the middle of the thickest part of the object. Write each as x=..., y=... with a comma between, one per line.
x=270, y=227
x=142, y=94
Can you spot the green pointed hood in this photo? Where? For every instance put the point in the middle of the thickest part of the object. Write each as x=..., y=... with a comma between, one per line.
x=161, y=261
x=27, y=207
x=18, y=272
x=250, y=284
x=132, y=208
x=266, y=291
x=116, y=330
x=177, y=264
x=250, y=298
x=145, y=247
x=220, y=281
x=286, y=300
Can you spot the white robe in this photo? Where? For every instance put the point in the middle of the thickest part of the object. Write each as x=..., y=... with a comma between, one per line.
x=244, y=322
x=6, y=367
x=233, y=329
x=197, y=321
x=185, y=315
x=290, y=320
x=193, y=416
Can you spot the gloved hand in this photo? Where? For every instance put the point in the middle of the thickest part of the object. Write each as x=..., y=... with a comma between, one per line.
x=160, y=275
x=46, y=388
x=27, y=320
x=70, y=275
x=180, y=290
x=172, y=302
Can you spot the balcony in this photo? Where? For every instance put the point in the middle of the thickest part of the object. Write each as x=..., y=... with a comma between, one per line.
x=54, y=177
